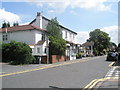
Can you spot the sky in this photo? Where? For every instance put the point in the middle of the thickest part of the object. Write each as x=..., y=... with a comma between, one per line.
x=80, y=16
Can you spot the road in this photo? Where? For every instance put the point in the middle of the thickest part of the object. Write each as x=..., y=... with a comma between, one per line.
x=60, y=75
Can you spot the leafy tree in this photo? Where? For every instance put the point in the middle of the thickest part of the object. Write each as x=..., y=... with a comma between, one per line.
x=54, y=29
x=15, y=24
x=8, y=24
x=101, y=39
x=16, y=53
x=57, y=44
x=4, y=25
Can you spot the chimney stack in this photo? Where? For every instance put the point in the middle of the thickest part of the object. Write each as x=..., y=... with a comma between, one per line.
x=38, y=13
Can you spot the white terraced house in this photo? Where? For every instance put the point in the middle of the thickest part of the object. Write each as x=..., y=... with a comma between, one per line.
x=35, y=36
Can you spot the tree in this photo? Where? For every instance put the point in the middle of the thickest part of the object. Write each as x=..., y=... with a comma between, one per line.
x=101, y=39
x=5, y=25
x=17, y=53
x=54, y=29
x=8, y=24
x=15, y=24
x=57, y=44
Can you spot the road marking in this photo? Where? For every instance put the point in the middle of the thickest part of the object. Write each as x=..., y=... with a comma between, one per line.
x=49, y=66
x=89, y=84
x=110, y=65
x=107, y=77
x=94, y=82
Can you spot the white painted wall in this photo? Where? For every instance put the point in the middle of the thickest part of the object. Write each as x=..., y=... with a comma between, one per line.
x=70, y=36
x=42, y=49
x=22, y=36
x=38, y=36
x=38, y=21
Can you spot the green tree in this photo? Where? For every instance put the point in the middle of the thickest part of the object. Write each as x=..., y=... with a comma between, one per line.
x=101, y=40
x=57, y=44
x=5, y=25
x=8, y=24
x=15, y=24
x=54, y=29
x=16, y=53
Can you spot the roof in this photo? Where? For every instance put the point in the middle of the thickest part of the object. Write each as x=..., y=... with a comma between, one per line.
x=88, y=43
x=40, y=42
x=69, y=42
x=20, y=28
x=59, y=25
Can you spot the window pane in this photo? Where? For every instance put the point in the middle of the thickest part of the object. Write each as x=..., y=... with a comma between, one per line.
x=38, y=50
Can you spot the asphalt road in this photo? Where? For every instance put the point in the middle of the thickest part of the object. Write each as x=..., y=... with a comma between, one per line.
x=75, y=75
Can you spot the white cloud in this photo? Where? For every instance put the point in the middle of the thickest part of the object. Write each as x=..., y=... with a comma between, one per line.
x=91, y=4
x=113, y=32
x=61, y=5
x=82, y=36
x=8, y=16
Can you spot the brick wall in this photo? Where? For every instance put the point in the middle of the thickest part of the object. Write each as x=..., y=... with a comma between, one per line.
x=57, y=58
x=44, y=60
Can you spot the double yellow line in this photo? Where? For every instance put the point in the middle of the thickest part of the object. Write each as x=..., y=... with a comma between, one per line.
x=96, y=81
x=45, y=67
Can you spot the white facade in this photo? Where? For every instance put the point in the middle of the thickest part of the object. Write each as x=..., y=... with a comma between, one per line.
x=21, y=36
x=30, y=37
x=67, y=35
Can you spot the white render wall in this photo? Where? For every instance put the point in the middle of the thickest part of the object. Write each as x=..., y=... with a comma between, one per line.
x=38, y=22
x=70, y=36
x=22, y=36
x=42, y=49
x=38, y=36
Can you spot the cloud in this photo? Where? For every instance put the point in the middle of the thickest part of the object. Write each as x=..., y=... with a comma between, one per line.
x=61, y=5
x=91, y=4
x=8, y=16
x=113, y=32
x=82, y=36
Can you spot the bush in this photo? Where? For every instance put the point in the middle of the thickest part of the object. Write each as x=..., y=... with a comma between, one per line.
x=57, y=46
x=17, y=53
x=79, y=55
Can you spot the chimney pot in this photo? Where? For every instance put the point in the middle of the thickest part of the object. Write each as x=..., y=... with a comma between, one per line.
x=38, y=13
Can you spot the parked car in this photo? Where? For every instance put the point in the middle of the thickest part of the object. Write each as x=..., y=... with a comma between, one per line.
x=119, y=56
x=112, y=56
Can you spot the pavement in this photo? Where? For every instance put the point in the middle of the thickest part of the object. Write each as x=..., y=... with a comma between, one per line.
x=111, y=80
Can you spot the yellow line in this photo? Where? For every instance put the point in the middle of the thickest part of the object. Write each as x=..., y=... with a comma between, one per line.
x=102, y=79
x=50, y=66
x=90, y=83
x=110, y=65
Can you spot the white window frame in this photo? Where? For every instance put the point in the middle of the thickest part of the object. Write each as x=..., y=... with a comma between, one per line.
x=5, y=37
x=38, y=50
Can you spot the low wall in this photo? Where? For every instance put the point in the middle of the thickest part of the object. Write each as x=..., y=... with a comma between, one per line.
x=57, y=58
